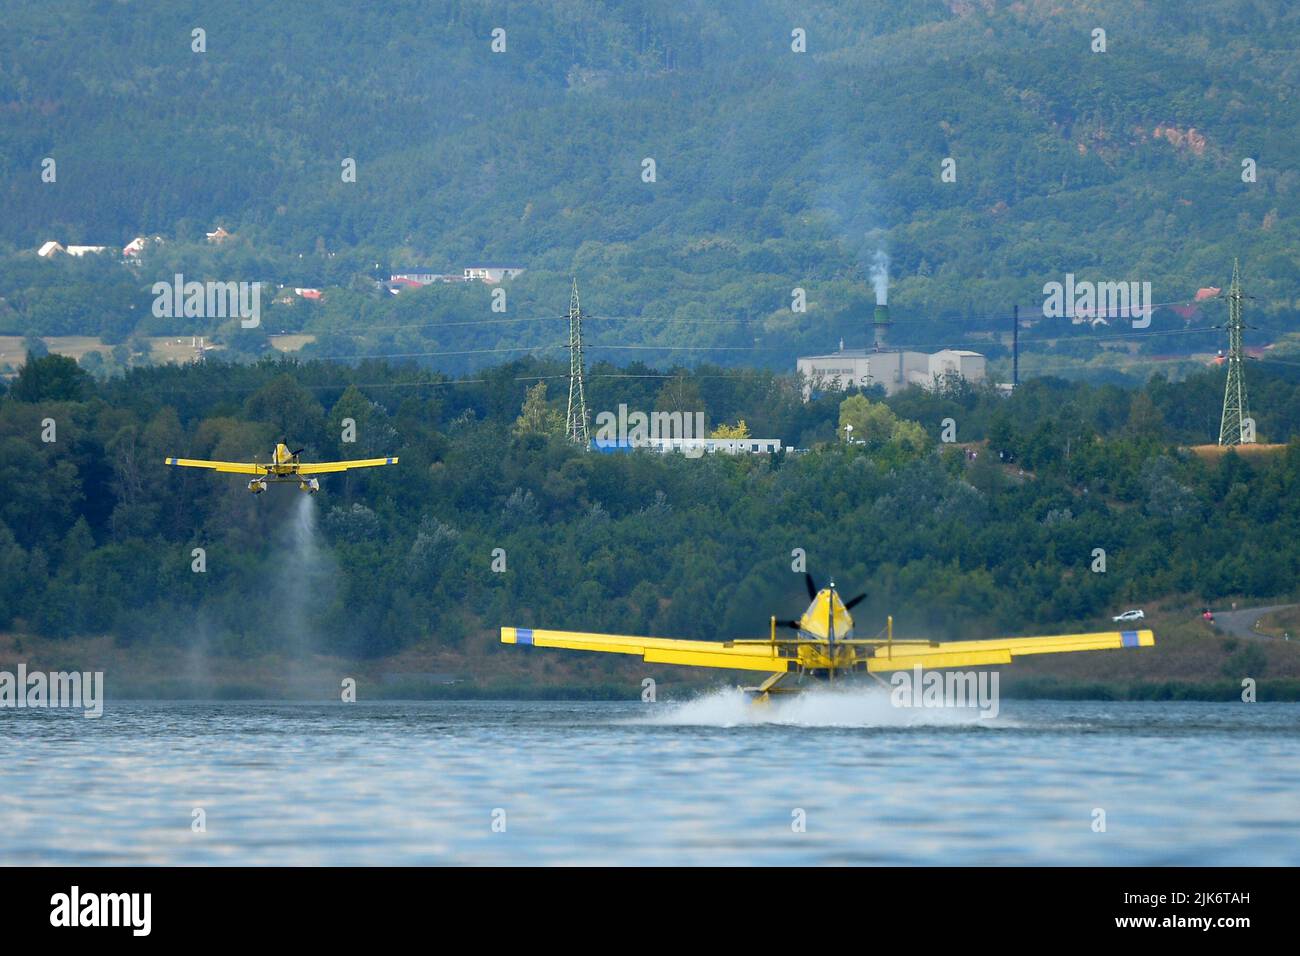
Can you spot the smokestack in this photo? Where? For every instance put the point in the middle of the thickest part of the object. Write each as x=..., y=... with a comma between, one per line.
x=880, y=282
x=880, y=323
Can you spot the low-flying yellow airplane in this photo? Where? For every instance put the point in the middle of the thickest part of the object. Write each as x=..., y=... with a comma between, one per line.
x=825, y=648
x=283, y=466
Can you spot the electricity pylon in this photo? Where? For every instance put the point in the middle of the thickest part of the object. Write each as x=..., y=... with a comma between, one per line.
x=575, y=427
x=1234, y=428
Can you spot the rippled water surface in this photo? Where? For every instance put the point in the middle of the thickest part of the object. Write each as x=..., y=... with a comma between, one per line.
x=710, y=781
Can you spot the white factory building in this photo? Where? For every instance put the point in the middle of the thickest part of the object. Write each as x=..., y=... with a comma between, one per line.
x=692, y=447
x=893, y=369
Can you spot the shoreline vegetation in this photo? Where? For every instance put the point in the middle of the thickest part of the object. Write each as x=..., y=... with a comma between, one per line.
x=1191, y=661
x=960, y=511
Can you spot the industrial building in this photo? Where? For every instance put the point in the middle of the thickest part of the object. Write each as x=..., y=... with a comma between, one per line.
x=691, y=447
x=489, y=274
x=892, y=369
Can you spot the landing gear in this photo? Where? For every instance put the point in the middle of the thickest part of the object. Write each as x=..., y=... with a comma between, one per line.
x=257, y=486
x=309, y=485
x=762, y=694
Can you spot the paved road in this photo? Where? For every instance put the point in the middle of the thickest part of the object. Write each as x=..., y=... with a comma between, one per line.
x=1241, y=623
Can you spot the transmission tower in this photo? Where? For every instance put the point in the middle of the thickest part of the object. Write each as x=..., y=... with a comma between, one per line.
x=575, y=427
x=1233, y=429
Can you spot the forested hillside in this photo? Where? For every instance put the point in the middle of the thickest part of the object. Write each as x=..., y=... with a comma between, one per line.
x=773, y=169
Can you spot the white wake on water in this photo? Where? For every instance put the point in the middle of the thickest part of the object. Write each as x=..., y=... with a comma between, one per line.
x=859, y=706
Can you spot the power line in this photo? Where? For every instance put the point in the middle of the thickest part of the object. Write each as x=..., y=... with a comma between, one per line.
x=435, y=325
x=694, y=348
x=340, y=385
x=392, y=355
x=1054, y=363
x=692, y=321
x=701, y=348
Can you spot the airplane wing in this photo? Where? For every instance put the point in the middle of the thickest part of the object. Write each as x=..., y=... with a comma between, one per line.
x=1000, y=650
x=657, y=650
x=237, y=467
x=324, y=466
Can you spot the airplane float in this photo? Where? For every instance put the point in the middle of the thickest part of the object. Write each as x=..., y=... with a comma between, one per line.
x=283, y=466
x=825, y=649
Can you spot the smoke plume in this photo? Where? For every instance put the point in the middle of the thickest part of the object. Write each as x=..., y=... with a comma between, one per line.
x=880, y=276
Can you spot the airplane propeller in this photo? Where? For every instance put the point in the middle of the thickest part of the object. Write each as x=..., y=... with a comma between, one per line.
x=811, y=585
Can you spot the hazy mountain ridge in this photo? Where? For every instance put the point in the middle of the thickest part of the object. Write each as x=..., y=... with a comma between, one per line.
x=774, y=169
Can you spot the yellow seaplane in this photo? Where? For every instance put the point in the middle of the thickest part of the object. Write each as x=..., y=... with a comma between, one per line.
x=283, y=466
x=825, y=648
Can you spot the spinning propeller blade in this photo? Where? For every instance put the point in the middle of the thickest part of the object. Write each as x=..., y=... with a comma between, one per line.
x=811, y=585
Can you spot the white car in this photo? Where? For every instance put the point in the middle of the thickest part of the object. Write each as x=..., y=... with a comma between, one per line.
x=1135, y=615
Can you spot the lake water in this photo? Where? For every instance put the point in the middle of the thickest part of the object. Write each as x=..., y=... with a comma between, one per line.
x=712, y=781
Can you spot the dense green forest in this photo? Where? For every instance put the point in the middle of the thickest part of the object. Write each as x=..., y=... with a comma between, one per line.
x=97, y=536
x=774, y=170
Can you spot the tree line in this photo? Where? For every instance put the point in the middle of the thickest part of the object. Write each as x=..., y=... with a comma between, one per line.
x=493, y=518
